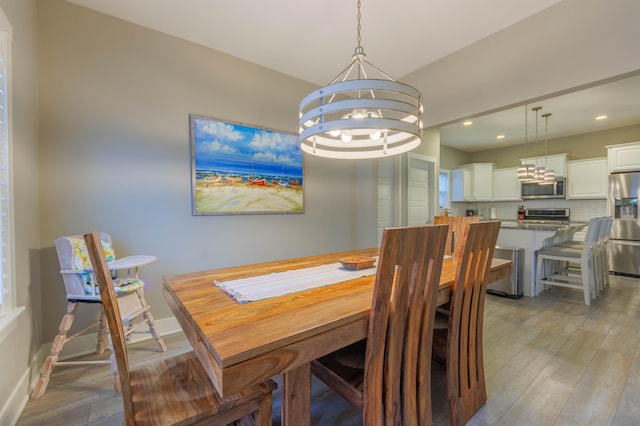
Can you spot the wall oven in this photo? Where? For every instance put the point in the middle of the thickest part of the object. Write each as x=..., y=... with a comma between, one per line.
x=533, y=191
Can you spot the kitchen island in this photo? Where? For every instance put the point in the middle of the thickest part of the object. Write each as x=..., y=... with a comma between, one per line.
x=531, y=236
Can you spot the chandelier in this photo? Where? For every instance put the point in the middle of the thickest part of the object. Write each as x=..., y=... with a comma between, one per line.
x=362, y=113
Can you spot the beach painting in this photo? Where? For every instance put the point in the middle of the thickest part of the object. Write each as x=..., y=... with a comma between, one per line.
x=240, y=169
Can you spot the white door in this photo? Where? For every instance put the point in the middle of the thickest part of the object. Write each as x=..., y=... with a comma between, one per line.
x=420, y=172
x=385, y=195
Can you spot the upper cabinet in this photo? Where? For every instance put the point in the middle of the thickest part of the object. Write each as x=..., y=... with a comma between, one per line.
x=624, y=157
x=506, y=186
x=555, y=162
x=472, y=182
x=587, y=178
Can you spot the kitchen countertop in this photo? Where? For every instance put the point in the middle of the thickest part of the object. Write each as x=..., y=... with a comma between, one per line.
x=537, y=225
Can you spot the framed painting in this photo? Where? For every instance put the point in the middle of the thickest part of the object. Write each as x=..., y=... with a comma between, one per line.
x=241, y=169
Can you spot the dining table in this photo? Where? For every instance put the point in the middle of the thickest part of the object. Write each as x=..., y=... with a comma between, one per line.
x=240, y=344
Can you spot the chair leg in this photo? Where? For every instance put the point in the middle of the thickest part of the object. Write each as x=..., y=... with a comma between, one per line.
x=102, y=333
x=56, y=347
x=586, y=282
x=114, y=367
x=160, y=344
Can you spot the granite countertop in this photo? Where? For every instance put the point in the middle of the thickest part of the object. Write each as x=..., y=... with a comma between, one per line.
x=539, y=226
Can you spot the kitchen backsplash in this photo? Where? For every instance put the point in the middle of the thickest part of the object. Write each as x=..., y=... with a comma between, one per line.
x=580, y=210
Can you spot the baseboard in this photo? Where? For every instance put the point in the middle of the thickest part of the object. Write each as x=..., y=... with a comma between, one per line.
x=13, y=406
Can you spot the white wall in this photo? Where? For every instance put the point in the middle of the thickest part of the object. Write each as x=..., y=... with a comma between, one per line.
x=18, y=347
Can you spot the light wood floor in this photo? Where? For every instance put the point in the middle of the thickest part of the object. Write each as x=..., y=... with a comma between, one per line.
x=549, y=360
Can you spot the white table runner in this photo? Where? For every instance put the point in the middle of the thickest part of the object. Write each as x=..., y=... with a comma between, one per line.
x=280, y=283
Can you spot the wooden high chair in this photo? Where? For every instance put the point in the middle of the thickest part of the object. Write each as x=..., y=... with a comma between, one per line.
x=80, y=287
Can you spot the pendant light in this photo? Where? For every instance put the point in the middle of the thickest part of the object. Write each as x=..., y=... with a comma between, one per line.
x=362, y=113
x=538, y=176
x=549, y=176
x=526, y=170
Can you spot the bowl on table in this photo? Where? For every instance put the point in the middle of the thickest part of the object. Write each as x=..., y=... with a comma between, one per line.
x=359, y=262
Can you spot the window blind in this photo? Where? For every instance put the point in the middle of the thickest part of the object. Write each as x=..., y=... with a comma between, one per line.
x=5, y=163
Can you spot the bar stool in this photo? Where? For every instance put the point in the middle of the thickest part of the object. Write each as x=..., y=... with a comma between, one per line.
x=579, y=270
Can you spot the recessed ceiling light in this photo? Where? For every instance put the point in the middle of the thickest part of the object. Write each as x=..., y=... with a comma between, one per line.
x=500, y=137
x=601, y=117
x=467, y=123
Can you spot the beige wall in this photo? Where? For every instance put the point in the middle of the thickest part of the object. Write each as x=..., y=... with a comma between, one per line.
x=19, y=346
x=451, y=158
x=114, y=104
x=576, y=147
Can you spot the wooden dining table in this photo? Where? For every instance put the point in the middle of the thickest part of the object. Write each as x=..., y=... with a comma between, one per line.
x=242, y=344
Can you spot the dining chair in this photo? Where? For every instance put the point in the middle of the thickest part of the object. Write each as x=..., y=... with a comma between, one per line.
x=173, y=391
x=457, y=225
x=388, y=376
x=578, y=268
x=81, y=289
x=458, y=335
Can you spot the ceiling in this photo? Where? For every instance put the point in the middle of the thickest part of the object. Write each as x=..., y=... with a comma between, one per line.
x=571, y=114
x=314, y=41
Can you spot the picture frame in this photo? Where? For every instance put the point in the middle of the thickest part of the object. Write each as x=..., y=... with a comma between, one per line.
x=242, y=169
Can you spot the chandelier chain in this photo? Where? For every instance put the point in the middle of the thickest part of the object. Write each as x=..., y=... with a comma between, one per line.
x=359, y=49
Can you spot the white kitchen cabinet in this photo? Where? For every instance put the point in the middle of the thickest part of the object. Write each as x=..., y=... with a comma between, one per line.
x=555, y=162
x=506, y=186
x=624, y=157
x=472, y=182
x=461, y=185
x=587, y=178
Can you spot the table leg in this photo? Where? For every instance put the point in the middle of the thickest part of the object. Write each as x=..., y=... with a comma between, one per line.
x=296, y=396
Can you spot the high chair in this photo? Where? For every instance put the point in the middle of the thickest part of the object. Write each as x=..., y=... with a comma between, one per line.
x=80, y=287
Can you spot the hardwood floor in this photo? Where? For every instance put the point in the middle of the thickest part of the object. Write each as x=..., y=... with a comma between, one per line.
x=549, y=360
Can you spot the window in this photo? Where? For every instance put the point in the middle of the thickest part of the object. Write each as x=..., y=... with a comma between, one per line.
x=7, y=283
x=444, y=182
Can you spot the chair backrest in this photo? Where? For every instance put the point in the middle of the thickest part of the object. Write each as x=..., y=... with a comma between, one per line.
x=103, y=279
x=457, y=225
x=398, y=354
x=465, y=364
x=73, y=258
x=592, y=235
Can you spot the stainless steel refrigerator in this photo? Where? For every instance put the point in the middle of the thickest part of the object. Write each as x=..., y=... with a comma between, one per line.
x=624, y=240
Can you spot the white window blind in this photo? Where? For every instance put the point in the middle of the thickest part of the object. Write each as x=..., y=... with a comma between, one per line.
x=6, y=233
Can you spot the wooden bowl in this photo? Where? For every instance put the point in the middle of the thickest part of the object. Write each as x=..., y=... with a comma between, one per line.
x=360, y=262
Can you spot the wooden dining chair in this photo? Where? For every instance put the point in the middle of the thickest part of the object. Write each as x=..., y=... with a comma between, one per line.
x=458, y=335
x=173, y=391
x=455, y=236
x=388, y=376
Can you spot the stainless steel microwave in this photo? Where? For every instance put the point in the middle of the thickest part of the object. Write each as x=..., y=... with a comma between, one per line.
x=533, y=191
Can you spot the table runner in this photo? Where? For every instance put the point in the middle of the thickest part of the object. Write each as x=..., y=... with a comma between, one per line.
x=279, y=283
